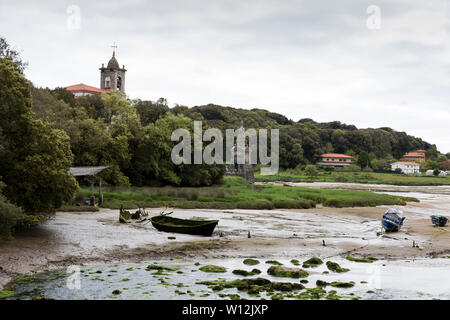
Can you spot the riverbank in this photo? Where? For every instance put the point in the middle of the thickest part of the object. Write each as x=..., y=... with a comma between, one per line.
x=236, y=193
x=358, y=177
x=94, y=238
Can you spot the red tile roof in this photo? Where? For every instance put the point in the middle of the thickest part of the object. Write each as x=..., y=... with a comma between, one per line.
x=341, y=162
x=335, y=155
x=408, y=163
x=84, y=88
x=414, y=155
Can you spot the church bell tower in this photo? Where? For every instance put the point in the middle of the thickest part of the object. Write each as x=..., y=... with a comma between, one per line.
x=112, y=77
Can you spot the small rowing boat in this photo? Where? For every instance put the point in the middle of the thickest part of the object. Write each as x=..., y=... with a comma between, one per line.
x=392, y=220
x=440, y=221
x=188, y=226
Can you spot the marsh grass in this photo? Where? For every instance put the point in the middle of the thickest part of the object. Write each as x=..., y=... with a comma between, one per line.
x=236, y=193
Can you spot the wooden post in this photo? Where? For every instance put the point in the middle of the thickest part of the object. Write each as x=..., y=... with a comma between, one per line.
x=100, y=193
x=92, y=192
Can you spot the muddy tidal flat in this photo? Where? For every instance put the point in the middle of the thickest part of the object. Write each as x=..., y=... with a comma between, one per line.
x=409, y=264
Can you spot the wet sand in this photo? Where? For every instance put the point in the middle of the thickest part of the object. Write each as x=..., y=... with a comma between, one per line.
x=96, y=238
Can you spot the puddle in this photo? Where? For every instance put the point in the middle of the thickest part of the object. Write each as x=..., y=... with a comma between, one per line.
x=404, y=279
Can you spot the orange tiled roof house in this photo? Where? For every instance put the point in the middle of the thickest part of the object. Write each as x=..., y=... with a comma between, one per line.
x=335, y=160
x=82, y=89
x=418, y=155
x=112, y=77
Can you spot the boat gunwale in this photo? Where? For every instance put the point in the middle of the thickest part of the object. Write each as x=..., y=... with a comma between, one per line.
x=201, y=222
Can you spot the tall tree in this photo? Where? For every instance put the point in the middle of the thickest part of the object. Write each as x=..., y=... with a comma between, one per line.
x=31, y=148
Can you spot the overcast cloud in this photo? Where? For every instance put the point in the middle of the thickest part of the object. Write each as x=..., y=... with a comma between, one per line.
x=304, y=59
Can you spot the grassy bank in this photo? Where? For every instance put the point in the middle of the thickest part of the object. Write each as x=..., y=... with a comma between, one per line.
x=236, y=193
x=359, y=177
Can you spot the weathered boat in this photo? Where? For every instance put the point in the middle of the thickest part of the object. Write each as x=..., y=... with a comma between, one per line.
x=187, y=226
x=392, y=220
x=440, y=221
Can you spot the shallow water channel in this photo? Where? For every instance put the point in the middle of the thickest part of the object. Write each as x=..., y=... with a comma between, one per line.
x=405, y=279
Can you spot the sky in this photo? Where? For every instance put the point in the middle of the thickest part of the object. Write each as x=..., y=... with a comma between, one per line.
x=368, y=63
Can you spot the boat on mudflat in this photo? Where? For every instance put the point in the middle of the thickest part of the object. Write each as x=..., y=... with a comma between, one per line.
x=440, y=221
x=187, y=226
x=392, y=220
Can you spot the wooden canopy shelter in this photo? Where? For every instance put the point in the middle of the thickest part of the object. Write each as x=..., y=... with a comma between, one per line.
x=90, y=171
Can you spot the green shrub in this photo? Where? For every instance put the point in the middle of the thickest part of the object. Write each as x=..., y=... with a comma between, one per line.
x=9, y=216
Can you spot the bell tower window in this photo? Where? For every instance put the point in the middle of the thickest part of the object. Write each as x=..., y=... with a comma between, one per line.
x=119, y=83
x=108, y=82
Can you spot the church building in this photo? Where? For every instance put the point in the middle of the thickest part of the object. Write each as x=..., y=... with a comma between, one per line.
x=112, y=77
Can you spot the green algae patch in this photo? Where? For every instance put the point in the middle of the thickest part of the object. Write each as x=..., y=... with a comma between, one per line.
x=321, y=283
x=333, y=266
x=217, y=288
x=38, y=278
x=159, y=268
x=253, y=286
x=278, y=271
x=5, y=293
x=295, y=262
x=251, y=262
x=336, y=284
x=364, y=260
x=332, y=295
x=246, y=273
x=274, y=262
x=287, y=286
x=97, y=278
x=212, y=268
x=311, y=294
x=314, y=262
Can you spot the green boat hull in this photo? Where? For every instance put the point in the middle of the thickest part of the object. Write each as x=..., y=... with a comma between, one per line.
x=194, y=227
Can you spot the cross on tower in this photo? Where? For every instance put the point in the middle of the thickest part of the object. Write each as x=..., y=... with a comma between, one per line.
x=114, y=46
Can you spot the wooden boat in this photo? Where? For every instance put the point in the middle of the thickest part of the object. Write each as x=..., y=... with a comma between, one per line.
x=440, y=221
x=188, y=226
x=392, y=220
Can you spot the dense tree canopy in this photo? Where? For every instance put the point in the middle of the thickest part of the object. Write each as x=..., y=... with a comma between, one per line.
x=302, y=142
x=31, y=147
x=133, y=137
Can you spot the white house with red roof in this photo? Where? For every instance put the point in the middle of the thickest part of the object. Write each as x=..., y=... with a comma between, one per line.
x=82, y=89
x=335, y=160
x=112, y=77
x=406, y=167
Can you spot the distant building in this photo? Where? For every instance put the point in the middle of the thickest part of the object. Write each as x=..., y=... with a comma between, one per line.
x=82, y=89
x=406, y=167
x=112, y=77
x=335, y=160
x=244, y=170
x=440, y=174
x=418, y=155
